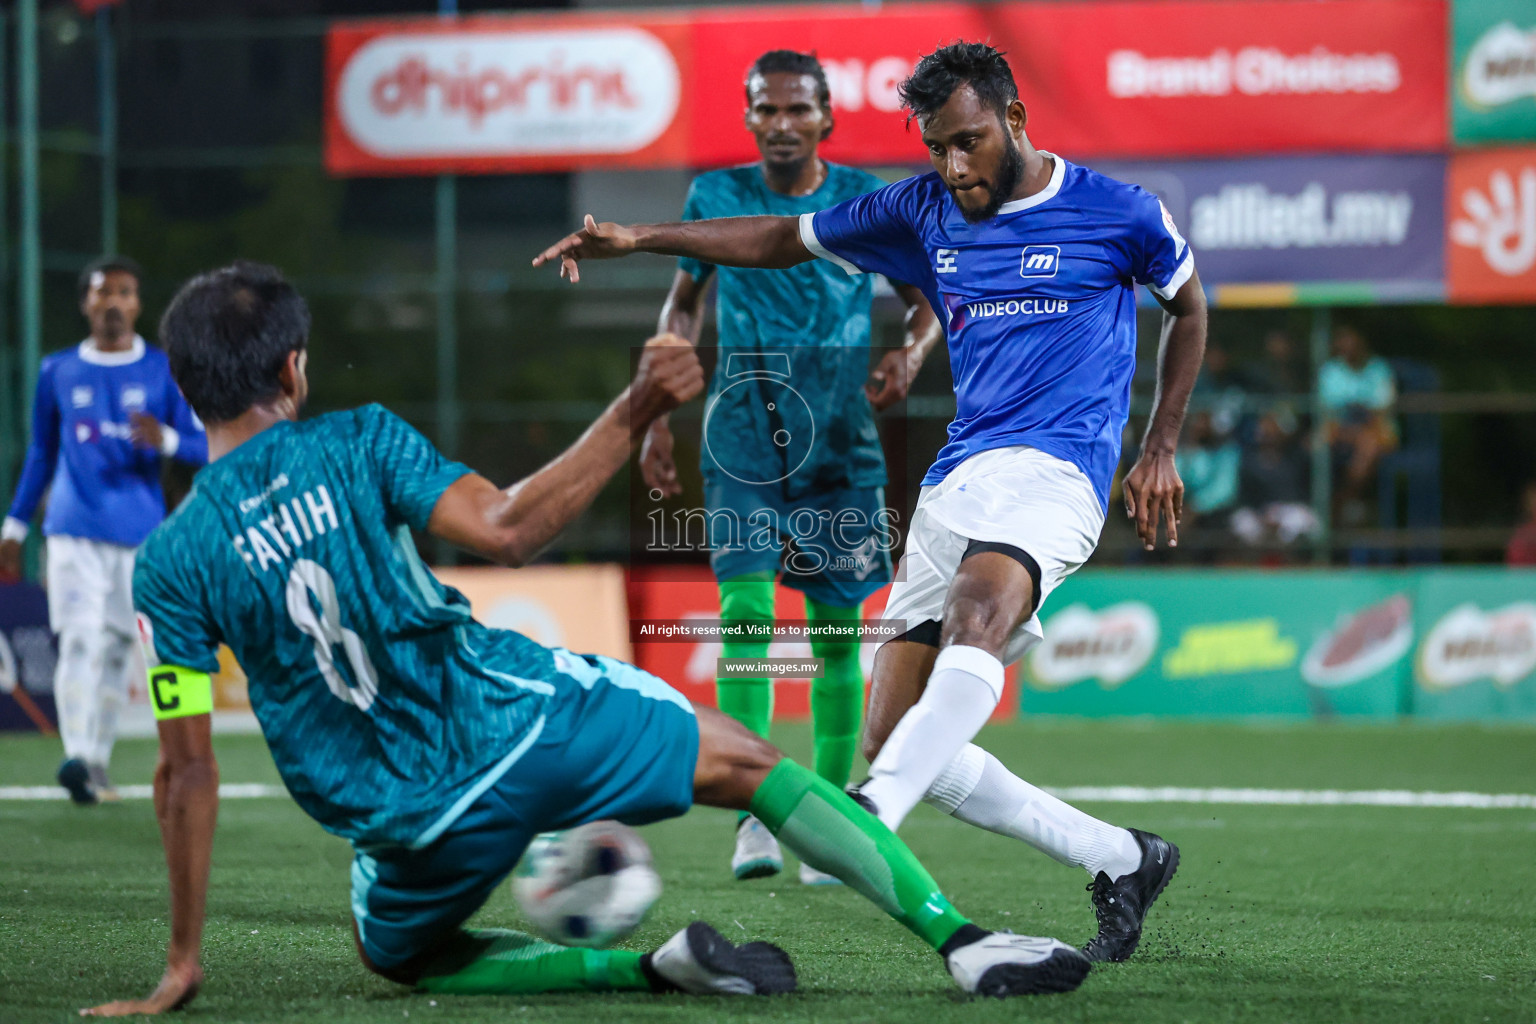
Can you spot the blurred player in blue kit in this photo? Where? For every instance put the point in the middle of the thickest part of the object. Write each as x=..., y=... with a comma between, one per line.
x=105, y=413
x=1032, y=263
x=437, y=746
x=794, y=476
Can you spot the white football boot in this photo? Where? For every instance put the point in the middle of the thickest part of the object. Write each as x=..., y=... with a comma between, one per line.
x=810, y=876
x=701, y=961
x=1002, y=964
x=757, y=852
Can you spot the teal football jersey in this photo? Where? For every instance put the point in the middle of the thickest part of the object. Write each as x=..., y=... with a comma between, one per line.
x=372, y=683
x=815, y=314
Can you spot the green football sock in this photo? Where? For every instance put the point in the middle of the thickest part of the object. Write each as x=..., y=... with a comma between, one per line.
x=747, y=599
x=493, y=960
x=827, y=830
x=837, y=698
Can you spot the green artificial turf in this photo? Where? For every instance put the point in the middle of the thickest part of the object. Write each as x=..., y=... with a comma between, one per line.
x=1278, y=913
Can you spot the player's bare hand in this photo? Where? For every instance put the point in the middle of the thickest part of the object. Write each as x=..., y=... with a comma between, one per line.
x=1153, y=492
x=594, y=241
x=178, y=986
x=657, y=467
x=669, y=375
x=10, y=561
x=891, y=378
x=147, y=431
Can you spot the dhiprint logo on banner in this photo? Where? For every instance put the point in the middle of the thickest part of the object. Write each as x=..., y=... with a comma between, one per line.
x=509, y=94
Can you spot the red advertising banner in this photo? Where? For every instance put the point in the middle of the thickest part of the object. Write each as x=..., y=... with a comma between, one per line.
x=1490, y=211
x=498, y=94
x=1126, y=79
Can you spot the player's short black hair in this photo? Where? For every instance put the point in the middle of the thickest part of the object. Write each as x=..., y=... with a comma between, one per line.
x=791, y=62
x=939, y=74
x=228, y=333
x=105, y=265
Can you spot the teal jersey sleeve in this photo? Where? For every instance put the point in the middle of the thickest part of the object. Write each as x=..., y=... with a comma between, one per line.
x=413, y=473
x=174, y=626
x=693, y=209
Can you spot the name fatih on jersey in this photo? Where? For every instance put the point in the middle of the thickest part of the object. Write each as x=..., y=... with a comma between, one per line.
x=1016, y=307
x=296, y=522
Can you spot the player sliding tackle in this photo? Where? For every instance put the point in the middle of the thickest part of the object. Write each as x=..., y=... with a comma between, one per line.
x=438, y=746
x=1033, y=263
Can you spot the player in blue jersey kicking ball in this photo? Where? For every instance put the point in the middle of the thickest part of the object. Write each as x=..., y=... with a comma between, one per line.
x=800, y=449
x=105, y=413
x=437, y=746
x=1032, y=263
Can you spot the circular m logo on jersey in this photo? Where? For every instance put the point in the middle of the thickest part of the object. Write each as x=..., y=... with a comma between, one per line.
x=1039, y=261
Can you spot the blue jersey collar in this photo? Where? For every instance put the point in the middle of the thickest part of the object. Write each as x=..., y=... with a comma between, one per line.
x=89, y=353
x=1044, y=195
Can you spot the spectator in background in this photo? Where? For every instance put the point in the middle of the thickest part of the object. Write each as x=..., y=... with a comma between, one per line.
x=1272, y=489
x=1209, y=464
x=1356, y=392
x=1522, y=546
x=1278, y=371
x=106, y=411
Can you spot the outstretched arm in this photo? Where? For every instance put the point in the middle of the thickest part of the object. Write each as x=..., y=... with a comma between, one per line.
x=683, y=315
x=187, y=806
x=891, y=380
x=1152, y=487
x=512, y=526
x=770, y=243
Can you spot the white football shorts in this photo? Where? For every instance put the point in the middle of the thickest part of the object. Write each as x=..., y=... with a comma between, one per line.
x=1020, y=496
x=90, y=585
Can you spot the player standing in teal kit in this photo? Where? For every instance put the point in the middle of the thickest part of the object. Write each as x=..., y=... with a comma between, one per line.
x=791, y=446
x=437, y=746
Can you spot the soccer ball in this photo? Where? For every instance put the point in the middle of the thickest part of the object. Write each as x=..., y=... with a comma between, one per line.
x=588, y=886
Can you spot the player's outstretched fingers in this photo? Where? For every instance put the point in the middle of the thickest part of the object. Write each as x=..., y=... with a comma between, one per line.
x=1146, y=522
x=1171, y=521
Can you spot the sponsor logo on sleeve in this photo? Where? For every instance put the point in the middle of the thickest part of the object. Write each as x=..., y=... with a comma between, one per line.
x=1469, y=644
x=1110, y=645
x=147, y=639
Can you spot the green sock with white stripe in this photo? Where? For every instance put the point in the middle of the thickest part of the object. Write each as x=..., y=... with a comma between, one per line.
x=493, y=960
x=831, y=833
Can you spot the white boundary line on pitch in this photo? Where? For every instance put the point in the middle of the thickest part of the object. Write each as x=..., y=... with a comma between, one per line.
x=1101, y=794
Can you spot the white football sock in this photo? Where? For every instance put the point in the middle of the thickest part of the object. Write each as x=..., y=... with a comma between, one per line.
x=76, y=684
x=117, y=664
x=977, y=789
x=964, y=687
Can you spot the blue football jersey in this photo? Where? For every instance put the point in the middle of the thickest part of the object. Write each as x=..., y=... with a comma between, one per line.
x=104, y=487
x=1038, y=303
x=385, y=705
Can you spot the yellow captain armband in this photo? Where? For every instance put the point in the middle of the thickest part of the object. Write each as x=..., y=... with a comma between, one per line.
x=178, y=692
